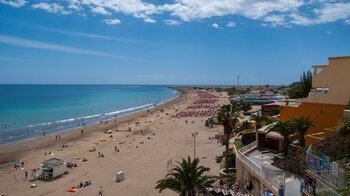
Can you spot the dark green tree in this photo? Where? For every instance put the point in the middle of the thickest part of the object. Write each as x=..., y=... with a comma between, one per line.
x=258, y=119
x=302, y=88
x=302, y=124
x=187, y=178
x=227, y=117
x=285, y=128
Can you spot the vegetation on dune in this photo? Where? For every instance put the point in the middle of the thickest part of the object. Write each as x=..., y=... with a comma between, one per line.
x=187, y=178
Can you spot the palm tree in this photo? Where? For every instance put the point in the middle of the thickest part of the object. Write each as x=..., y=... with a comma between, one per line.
x=302, y=124
x=285, y=128
x=227, y=116
x=258, y=120
x=187, y=178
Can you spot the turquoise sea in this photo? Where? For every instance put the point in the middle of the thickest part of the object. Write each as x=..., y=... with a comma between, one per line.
x=27, y=110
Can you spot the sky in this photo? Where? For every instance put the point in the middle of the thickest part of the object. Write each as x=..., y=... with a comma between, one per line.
x=187, y=42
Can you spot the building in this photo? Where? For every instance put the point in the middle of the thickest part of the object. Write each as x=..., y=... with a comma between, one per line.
x=52, y=168
x=328, y=98
x=271, y=109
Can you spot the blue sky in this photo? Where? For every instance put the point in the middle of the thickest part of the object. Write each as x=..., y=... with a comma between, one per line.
x=168, y=42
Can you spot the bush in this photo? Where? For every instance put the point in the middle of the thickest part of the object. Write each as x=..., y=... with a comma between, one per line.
x=248, y=137
x=246, y=125
x=231, y=160
x=219, y=158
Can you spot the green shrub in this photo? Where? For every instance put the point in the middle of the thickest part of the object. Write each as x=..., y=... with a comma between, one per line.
x=248, y=137
x=231, y=160
x=219, y=158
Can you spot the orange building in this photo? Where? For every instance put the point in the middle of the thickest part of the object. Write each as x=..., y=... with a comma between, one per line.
x=328, y=99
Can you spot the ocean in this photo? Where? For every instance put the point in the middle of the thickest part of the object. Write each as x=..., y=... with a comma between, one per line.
x=27, y=110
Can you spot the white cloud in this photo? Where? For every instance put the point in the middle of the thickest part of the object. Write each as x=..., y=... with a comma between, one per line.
x=275, y=20
x=347, y=21
x=100, y=10
x=149, y=20
x=231, y=24
x=216, y=26
x=300, y=20
x=112, y=21
x=264, y=24
x=74, y=7
x=274, y=12
x=94, y=36
x=43, y=45
x=332, y=12
x=15, y=3
x=171, y=22
x=189, y=10
x=50, y=7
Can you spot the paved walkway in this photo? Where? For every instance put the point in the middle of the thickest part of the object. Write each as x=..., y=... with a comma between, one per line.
x=292, y=181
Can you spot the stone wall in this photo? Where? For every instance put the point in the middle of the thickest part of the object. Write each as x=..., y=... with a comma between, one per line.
x=294, y=162
x=245, y=172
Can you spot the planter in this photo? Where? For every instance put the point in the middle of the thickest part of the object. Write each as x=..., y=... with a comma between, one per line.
x=223, y=174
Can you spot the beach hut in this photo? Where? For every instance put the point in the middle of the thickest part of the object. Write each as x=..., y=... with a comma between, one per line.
x=120, y=176
x=52, y=168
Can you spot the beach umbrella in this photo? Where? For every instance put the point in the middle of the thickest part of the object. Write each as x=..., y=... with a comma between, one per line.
x=36, y=169
x=13, y=161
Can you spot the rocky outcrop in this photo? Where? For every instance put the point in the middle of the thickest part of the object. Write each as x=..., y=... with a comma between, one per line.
x=294, y=162
x=337, y=144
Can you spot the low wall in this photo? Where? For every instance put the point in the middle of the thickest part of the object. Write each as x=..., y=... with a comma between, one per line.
x=293, y=162
x=346, y=114
x=309, y=139
x=245, y=172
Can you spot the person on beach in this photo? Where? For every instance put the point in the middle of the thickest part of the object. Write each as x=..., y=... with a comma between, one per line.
x=59, y=137
x=56, y=137
x=43, y=133
x=26, y=175
x=100, y=191
x=99, y=155
x=115, y=148
x=81, y=132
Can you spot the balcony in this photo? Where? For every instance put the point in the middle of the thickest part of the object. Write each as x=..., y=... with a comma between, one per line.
x=319, y=68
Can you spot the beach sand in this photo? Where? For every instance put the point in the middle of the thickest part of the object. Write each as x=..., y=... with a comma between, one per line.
x=155, y=138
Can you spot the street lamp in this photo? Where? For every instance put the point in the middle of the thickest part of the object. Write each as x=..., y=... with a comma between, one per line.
x=262, y=172
x=194, y=134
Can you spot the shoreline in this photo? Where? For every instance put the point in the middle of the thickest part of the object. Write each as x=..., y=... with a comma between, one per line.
x=156, y=138
x=76, y=125
x=12, y=151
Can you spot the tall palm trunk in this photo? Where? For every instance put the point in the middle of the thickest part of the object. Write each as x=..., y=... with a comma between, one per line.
x=286, y=148
x=302, y=140
x=227, y=133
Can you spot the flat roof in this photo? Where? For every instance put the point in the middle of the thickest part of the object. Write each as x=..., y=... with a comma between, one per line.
x=339, y=57
x=52, y=162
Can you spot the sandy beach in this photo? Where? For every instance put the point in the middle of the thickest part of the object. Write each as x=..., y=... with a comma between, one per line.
x=155, y=137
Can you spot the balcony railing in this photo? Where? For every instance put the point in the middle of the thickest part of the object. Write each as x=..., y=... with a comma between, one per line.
x=319, y=68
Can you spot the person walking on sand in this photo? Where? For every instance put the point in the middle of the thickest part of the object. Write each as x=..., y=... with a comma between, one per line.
x=100, y=191
x=26, y=174
x=43, y=133
x=81, y=132
x=115, y=148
